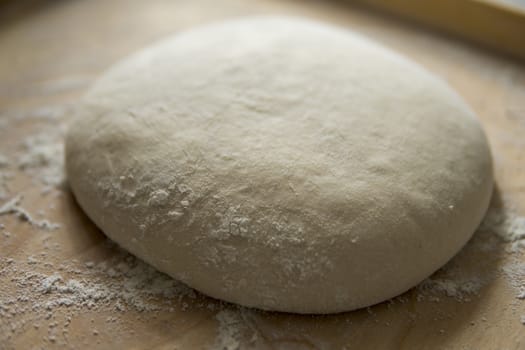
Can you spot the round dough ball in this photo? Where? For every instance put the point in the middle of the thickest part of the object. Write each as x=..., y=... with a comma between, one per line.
x=281, y=164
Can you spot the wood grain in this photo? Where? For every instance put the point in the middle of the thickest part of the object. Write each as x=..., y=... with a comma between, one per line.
x=492, y=24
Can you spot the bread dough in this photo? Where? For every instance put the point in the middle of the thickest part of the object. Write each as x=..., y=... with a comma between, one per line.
x=281, y=164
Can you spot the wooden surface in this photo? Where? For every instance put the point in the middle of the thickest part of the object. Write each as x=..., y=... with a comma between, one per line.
x=493, y=24
x=49, y=54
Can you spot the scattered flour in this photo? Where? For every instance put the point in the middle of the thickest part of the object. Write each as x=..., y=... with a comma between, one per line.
x=42, y=157
x=229, y=332
x=235, y=329
x=122, y=280
x=5, y=176
x=13, y=207
x=37, y=290
x=118, y=284
x=460, y=289
x=4, y=161
x=509, y=227
x=500, y=228
x=515, y=274
x=40, y=154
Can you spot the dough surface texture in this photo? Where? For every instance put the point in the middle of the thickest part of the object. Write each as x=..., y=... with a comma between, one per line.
x=280, y=163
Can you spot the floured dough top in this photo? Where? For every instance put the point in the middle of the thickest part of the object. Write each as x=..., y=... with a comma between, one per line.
x=281, y=164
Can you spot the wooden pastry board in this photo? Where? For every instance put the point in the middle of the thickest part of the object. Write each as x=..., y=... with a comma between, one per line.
x=50, y=51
